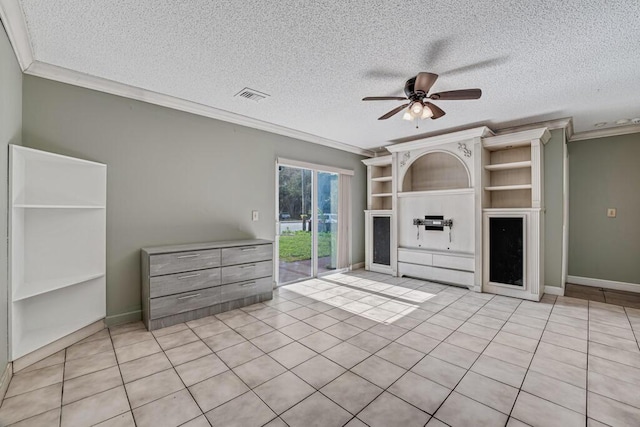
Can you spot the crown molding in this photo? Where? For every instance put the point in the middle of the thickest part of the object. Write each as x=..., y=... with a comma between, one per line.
x=378, y=161
x=564, y=123
x=479, y=132
x=64, y=75
x=525, y=136
x=604, y=133
x=16, y=27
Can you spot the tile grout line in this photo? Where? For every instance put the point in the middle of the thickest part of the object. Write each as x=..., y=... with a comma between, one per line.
x=229, y=369
x=64, y=367
x=443, y=340
x=121, y=378
x=530, y=362
x=480, y=354
x=392, y=298
x=383, y=390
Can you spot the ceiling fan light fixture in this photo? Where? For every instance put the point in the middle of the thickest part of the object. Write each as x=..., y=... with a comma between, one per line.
x=416, y=109
x=426, y=113
x=407, y=116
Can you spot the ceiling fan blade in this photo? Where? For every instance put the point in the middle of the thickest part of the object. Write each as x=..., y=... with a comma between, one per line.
x=393, y=112
x=457, y=94
x=424, y=81
x=437, y=111
x=384, y=98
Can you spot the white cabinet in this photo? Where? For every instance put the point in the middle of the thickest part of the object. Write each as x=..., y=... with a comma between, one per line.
x=380, y=252
x=513, y=214
x=57, y=246
x=379, y=183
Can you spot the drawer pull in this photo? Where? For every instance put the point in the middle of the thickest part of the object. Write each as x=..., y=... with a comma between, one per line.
x=188, y=256
x=189, y=296
x=189, y=276
x=248, y=249
x=248, y=266
x=247, y=284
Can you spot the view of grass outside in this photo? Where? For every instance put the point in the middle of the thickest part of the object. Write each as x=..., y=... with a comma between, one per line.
x=296, y=245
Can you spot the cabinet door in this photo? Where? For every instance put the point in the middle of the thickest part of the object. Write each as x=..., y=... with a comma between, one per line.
x=506, y=250
x=382, y=240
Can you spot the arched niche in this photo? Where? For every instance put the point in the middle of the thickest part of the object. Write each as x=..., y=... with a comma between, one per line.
x=436, y=170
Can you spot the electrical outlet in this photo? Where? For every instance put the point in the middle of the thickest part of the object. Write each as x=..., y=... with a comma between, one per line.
x=611, y=212
x=255, y=215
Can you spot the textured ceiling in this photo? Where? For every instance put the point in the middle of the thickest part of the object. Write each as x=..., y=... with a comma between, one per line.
x=534, y=60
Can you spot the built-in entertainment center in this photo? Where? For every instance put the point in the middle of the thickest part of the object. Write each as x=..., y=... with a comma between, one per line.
x=465, y=208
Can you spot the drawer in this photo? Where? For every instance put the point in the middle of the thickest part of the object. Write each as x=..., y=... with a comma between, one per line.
x=180, y=303
x=244, y=254
x=183, y=261
x=243, y=272
x=246, y=289
x=184, y=282
x=454, y=262
x=436, y=274
x=415, y=257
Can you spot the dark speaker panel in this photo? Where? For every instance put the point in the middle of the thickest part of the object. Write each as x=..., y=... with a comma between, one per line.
x=382, y=240
x=506, y=251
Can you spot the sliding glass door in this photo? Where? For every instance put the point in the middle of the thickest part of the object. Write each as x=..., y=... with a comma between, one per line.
x=327, y=220
x=295, y=236
x=307, y=223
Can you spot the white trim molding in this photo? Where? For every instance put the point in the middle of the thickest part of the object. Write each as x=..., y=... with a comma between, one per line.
x=119, y=319
x=554, y=290
x=604, y=133
x=357, y=266
x=460, y=136
x=60, y=344
x=16, y=27
x=602, y=283
x=281, y=161
x=76, y=78
x=564, y=123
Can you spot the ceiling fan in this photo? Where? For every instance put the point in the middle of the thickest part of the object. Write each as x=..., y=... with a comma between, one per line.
x=417, y=91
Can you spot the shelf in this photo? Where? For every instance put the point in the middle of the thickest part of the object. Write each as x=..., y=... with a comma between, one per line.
x=508, y=166
x=382, y=179
x=381, y=195
x=44, y=286
x=436, y=192
x=509, y=187
x=31, y=206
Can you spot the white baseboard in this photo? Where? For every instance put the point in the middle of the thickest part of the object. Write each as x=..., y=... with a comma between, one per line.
x=5, y=380
x=119, y=319
x=601, y=283
x=54, y=347
x=554, y=290
x=357, y=266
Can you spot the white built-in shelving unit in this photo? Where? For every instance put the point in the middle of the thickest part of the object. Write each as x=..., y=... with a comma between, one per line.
x=514, y=191
x=57, y=246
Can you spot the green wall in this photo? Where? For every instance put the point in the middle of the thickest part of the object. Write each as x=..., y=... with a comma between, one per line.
x=10, y=133
x=172, y=177
x=553, y=188
x=605, y=173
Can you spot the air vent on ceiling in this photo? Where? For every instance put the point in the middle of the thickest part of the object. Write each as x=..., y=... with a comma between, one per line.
x=251, y=94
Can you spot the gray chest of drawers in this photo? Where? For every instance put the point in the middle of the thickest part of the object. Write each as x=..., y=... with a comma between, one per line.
x=187, y=282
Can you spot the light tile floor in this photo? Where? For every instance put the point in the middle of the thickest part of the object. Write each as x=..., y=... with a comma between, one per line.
x=352, y=349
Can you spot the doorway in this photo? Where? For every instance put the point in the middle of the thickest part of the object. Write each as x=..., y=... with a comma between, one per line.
x=307, y=224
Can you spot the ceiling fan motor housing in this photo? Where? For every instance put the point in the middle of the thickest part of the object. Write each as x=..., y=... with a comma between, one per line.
x=409, y=90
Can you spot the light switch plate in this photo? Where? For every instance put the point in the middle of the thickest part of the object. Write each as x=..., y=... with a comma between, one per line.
x=255, y=215
x=611, y=212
